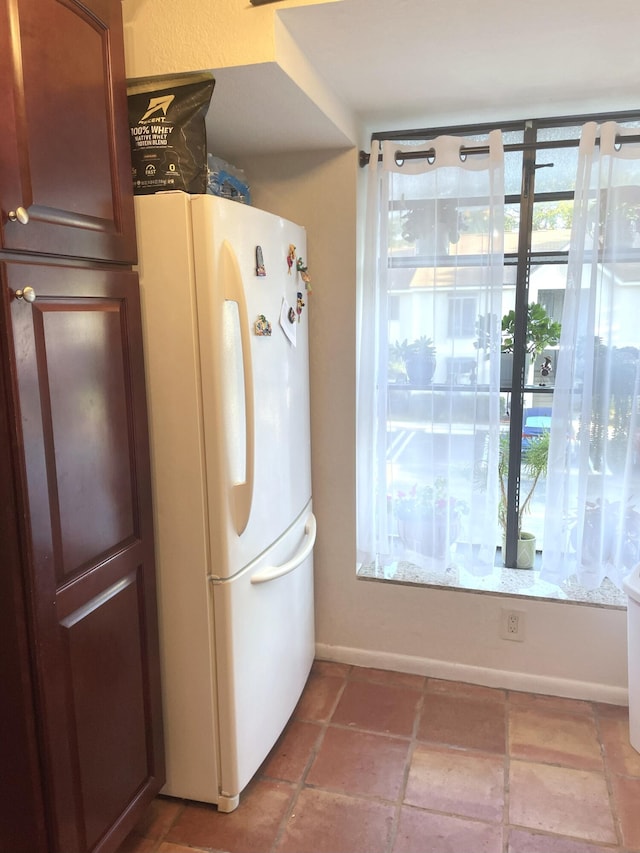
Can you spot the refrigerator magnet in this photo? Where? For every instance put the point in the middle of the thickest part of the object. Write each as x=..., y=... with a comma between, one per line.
x=286, y=324
x=291, y=257
x=299, y=305
x=304, y=274
x=262, y=327
x=260, y=270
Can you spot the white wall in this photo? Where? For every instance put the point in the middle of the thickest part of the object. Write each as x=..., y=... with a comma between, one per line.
x=569, y=649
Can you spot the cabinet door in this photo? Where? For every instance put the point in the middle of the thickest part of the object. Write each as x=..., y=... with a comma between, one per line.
x=77, y=376
x=64, y=148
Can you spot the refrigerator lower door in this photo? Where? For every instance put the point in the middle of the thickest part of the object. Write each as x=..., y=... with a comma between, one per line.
x=264, y=639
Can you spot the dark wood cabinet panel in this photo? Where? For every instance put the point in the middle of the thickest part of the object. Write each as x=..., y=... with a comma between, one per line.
x=76, y=358
x=64, y=147
x=20, y=783
x=75, y=394
x=106, y=663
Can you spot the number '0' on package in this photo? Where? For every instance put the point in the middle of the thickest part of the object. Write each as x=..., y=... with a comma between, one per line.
x=168, y=133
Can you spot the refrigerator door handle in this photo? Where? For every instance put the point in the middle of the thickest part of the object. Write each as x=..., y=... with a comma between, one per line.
x=270, y=573
x=241, y=493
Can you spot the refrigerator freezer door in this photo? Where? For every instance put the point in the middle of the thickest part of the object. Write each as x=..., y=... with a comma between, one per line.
x=264, y=637
x=257, y=439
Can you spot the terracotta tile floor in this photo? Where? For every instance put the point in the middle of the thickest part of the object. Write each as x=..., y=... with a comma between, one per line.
x=382, y=762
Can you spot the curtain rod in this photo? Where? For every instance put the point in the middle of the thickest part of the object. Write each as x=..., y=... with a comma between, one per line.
x=364, y=156
x=424, y=133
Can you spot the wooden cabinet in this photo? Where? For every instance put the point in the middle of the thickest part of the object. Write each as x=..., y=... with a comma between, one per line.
x=80, y=467
x=81, y=750
x=64, y=146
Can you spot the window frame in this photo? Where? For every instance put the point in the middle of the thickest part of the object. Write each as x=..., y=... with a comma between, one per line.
x=524, y=258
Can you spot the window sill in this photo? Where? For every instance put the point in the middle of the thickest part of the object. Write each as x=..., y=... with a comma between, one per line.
x=520, y=583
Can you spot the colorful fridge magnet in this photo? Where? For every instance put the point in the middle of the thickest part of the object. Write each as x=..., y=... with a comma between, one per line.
x=262, y=327
x=260, y=270
x=291, y=257
x=304, y=274
x=286, y=323
x=299, y=305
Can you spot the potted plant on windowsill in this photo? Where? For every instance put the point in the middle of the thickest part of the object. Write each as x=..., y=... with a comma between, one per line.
x=412, y=362
x=429, y=521
x=397, y=364
x=535, y=458
x=421, y=361
x=542, y=332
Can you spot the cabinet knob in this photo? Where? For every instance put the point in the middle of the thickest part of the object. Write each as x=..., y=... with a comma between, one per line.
x=18, y=215
x=28, y=294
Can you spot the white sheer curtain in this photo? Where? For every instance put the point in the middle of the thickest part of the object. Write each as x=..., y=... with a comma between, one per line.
x=427, y=446
x=592, y=522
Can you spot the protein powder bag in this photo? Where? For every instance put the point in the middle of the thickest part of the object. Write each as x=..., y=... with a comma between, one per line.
x=168, y=134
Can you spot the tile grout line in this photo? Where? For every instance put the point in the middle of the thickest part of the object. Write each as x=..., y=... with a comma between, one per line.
x=301, y=784
x=413, y=741
x=159, y=841
x=506, y=782
x=608, y=778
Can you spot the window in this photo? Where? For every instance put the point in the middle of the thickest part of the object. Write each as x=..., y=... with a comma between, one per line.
x=462, y=311
x=436, y=292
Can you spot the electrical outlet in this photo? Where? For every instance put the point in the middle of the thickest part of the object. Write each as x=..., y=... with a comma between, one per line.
x=512, y=625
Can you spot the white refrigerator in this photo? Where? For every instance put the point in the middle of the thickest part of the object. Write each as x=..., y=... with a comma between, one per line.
x=231, y=473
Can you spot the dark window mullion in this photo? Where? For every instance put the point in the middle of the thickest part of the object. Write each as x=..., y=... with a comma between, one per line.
x=519, y=341
x=556, y=195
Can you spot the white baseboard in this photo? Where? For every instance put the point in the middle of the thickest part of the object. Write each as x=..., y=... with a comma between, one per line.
x=505, y=679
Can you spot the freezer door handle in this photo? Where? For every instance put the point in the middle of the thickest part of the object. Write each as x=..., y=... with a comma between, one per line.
x=270, y=573
x=241, y=493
